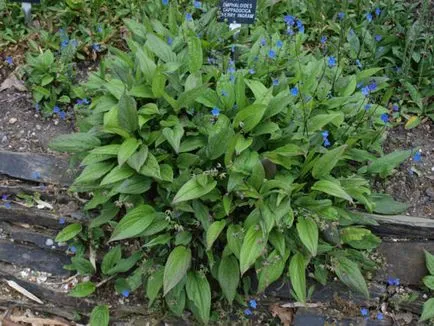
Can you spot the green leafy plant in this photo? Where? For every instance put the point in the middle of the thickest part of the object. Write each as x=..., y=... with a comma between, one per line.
x=428, y=281
x=243, y=166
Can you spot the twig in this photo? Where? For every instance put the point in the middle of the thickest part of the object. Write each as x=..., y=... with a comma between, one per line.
x=301, y=305
x=69, y=279
x=105, y=281
x=23, y=291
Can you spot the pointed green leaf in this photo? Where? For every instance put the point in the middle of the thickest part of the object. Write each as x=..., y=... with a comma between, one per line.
x=117, y=174
x=213, y=232
x=332, y=189
x=127, y=116
x=308, y=233
x=74, y=143
x=325, y=164
x=127, y=149
x=297, y=274
x=99, y=316
x=82, y=290
x=154, y=285
x=160, y=48
x=199, y=292
x=110, y=259
x=249, y=117
x=271, y=270
x=349, y=273
x=254, y=244
x=427, y=310
x=234, y=236
x=229, y=277
x=173, y=136
x=137, y=160
x=192, y=190
x=195, y=57
x=69, y=232
x=429, y=259
x=176, y=267
x=93, y=172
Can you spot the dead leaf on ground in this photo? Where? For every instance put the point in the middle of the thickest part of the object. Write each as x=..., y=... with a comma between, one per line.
x=286, y=315
x=13, y=82
x=38, y=321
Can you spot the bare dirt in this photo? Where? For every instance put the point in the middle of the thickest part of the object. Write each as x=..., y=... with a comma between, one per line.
x=413, y=183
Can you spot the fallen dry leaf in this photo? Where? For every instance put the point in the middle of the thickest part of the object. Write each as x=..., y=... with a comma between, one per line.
x=286, y=315
x=38, y=321
x=23, y=291
x=13, y=82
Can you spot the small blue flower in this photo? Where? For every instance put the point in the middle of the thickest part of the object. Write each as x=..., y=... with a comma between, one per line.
x=231, y=70
x=197, y=4
x=341, y=15
x=369, y=17
x=248, y=312
x=188, y=17
x=417, y=157
x=372, y=86
x=279, y=44
x=365, y=91
x=323, y=39
x=380, y=316
x=359, y=64
x=326, y=143
x=395, y=107
x=125, y=293
x=5, y=197
x=64, y=44
x=7, y=205
x=377, y=11
x=169, y=40
x=276, y=82
x=36, y=175
x=300, y=26
x=251, y=71
x=263, y=42
x=359, y=85
x=165, y=2
x=252, y=304
x=56, y=109
x=215, y=112
x=272, y=54
x=96, y=47
x=62, y=220
x=289, y=20
x=232, y=78
x=62, y=115
x=331, y=61
x=385, y=117
x=294, y=91
x=99, y=29
x=290, y=31
x=9, y=60
x=224, y=93
x=325, y=134
x=378, y=37
x=364, y=312
x=72, y=249
x=368, y=106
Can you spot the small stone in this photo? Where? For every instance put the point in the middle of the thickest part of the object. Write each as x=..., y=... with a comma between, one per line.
x=4, y=139
x=430, y=192
x=13, y=120
x=38, y=127
x=49, y=242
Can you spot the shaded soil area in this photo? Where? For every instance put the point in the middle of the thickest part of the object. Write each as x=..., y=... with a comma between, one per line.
x=413, y=183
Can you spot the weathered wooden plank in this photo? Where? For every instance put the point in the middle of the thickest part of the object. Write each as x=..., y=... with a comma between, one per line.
x=36, y=167
x=49, y=261
x=401, y=226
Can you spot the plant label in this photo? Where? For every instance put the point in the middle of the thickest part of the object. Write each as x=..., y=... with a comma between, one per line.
x=28, y=1
x=238, y=11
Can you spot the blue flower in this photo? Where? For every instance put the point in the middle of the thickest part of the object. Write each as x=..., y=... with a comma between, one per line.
x=341, y=15
x=36, y=175
x=289, y=20
x=417, y=157
x=395, y=107
x=323, y=39
x=294, y=91
x=197, y=4
x=248, y=312
x=215, y=112
x=62, y=220
x=372, y=86
x=279, y=44
x=290, y=31
x=62, y=115
x=331, y=61
x=378, y=37
x=325, y=134
x=369, y=17
x=326, y=143
x=385, y=117
x=252, y=304
x=392, y=281
x=377, y=11
x=224, y=93
x=169, y=40
x=72, y=249
x=263, y=42
x=5, y=197
x=125, y=293
x=56, y=109
x=232, y=78
x=272, y=54
x=300, y=26
x=252, y=71
x=359, y=64
x=165, y=2
x=359, y=85
x=7, y=205
x=368, y=106
x=365, y=91
x=380, y=316
x=99, y=29
x=64, y=44
x=364, y=312
x=275, y=82
x=9, y=60
x=188, y=17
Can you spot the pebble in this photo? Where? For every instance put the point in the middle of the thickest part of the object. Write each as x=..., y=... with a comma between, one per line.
x=13, y=120
x=49, y=242
x=4, y=139
x=430, y=192
x=38, y=127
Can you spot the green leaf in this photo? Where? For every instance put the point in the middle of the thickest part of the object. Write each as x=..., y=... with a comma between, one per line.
x=195, y=57
x=74, y=143
x=386, y=205
x=83, y=266
x=127, y=116
x=173, y=136
x=159, y=84
x=117, y=174
x=349, y=273
x=332, y=189
x=252, y=248
x=308, y=233
x=427, y=310
x=154, y=285
x=99, y=316
x=110, y=259
x=229, y=277
x=135, y=222
x=429, y=281
x=249, y=117
x=93, y=172
x=213, y=232
x=414, y=94
x=145, y=64
x=124, y=265
x=234, y=236
x=325, y=164
x=192, y=190
x=69, y=232
x=160, y=48
x=297, y=275
x=359, y=238
x=199, y=292
x=137, y=160
x=318, y=121
x=271, y=270
x=429, y=259
x=385, y=164
x=362, y=75
x=151, y=167
x=127, y=149
x=82, y=290
x=176, y=267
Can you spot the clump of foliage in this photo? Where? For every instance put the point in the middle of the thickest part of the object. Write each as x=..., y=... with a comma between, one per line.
x=428, y=281
x=225, y=157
